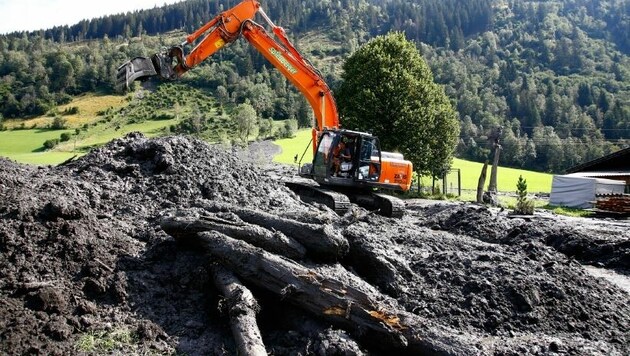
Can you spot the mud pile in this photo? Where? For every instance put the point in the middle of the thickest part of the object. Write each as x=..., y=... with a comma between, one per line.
x=85, y=266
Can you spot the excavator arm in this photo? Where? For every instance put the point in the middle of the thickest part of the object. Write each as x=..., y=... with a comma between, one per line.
x=227, y=27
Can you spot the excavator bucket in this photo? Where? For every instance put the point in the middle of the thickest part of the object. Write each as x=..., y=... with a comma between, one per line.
x=143, y=68
x=138, y=68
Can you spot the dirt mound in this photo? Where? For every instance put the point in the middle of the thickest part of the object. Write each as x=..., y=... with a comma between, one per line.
x=86, y=267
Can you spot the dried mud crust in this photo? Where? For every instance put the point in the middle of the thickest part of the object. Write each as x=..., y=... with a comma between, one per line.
x=82, y=255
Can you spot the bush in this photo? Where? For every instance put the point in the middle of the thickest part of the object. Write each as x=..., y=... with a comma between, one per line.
x=523, y=205
x=62, y=98
x=50, y=144
x=288, y=130
x=64, y=137
x=291, y=126
x=59, y=123
x=52, y=112
x=265, y=128
x=71, y=111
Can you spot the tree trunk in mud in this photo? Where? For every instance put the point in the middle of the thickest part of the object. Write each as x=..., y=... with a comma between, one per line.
x=187, y=223
x=357, y=307
x=321, y=241
x=482, y=182
x=492, y=187
x=242, y=309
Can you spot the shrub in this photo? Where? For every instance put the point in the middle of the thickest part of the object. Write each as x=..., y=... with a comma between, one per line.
x=49, y=144
x=64, y=137
x=523, y=205
x=59, y=123
x=71, y=111
x=288, y=130
x=162, y=116
x=62, y=98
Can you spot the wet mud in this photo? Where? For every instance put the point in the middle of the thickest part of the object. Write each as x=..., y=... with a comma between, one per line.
x=83, y=254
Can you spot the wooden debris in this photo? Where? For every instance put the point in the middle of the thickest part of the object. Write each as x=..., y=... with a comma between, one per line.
x=322, y=242
x=242, y=309
x=187, y=223
x=355, y=306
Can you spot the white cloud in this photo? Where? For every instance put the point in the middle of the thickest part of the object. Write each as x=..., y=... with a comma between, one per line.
x=31, y=15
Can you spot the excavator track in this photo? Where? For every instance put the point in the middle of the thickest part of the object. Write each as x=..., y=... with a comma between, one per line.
x=315, y=194
x=340, y=202
x=390, y=206
x=383, y=204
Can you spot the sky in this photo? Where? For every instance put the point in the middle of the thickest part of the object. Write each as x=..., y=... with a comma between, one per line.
x=31, y=15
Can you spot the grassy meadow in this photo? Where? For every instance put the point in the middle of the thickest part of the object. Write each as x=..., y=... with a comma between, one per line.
x=26, y=146
x=23, y=140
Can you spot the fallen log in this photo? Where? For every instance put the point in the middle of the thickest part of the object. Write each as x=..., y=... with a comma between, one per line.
x=335, y=295
x=322, y=242
x=187, y=223
x=242, y=308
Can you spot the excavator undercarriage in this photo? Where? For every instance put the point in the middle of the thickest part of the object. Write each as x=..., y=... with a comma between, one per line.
x=340, y=200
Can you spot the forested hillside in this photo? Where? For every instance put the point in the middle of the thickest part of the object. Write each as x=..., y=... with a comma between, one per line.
x=554, y=74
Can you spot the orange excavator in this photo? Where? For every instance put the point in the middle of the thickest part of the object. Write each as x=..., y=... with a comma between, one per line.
x=348, y=166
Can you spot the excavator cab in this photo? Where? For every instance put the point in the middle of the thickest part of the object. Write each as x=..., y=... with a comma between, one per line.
x=354, y=176
x=346, y=158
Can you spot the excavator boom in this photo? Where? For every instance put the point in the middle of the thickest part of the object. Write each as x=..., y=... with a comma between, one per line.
x=226, y=28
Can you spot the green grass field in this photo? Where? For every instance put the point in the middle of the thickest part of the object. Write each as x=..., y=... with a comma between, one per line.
x=26, y=146
x=507, y=177
x=88, y=105
x=295, y=146
x=103, y=134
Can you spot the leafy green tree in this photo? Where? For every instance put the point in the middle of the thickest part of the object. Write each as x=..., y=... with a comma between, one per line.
x=290, y=128
x=388, y=90
x=245, y=118
x=222, y=95
x=265, y=128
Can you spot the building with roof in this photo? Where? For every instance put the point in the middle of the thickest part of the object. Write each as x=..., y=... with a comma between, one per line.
x=608, y=175
x=615, y=166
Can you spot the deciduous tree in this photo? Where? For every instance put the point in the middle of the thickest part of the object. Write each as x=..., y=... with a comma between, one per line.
x=246, y=119
x=388, y=90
